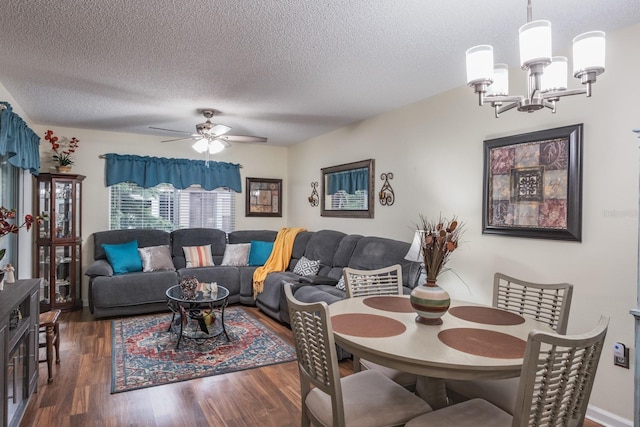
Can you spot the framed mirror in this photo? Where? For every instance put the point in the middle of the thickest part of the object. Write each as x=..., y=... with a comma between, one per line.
x=347, y=190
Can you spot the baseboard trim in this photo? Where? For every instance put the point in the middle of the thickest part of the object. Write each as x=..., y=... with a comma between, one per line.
x=606, y=418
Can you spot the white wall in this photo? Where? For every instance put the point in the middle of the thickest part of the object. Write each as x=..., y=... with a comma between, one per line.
x=435, y=150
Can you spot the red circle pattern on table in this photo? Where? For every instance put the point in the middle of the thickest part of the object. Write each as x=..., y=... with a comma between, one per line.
x=389, y=303
x=482, y=342
x=486, y=315
x=366, y=325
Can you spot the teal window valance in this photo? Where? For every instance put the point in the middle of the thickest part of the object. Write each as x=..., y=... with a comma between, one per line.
x=18, y=141
x=348, y=181
x=148, y=172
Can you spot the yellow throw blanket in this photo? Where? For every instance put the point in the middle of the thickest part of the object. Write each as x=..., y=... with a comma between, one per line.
x=279, y=258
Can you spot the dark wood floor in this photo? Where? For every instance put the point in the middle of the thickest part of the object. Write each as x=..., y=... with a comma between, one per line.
x=80, y=393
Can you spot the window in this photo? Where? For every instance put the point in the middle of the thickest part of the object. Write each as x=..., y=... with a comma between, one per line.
x=9, y=191
x=165, y=208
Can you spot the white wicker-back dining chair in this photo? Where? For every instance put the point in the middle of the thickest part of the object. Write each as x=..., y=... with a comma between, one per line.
x=554, y=389
x=383, y=281
x=547, y=303
x=364, y=398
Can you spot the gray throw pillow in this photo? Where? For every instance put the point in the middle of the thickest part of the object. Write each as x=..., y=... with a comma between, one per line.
x=306, y=267
x=236, y=254
x=156, y=258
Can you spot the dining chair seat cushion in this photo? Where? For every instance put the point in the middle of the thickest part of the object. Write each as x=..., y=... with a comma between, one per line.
x=501, y=393
x=405, y=379
x=472, y=413
x=370, y=399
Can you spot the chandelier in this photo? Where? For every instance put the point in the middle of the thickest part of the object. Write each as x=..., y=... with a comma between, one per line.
x=547, y=75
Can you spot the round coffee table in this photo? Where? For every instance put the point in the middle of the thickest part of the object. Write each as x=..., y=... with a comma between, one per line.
x=189, y=318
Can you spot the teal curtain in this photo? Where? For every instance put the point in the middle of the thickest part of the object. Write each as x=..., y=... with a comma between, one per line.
x=349, y=181
x=18, y=142
x=181, y=173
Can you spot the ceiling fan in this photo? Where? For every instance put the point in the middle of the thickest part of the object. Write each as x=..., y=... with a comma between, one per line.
x=211, y=137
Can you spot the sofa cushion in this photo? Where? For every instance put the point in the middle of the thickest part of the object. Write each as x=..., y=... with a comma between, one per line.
x=227, y=276
x=259, y=252
x=156, y=258
x=299, y=245
x=123, y=257
x=307, y=267
x=100, y=267
x=144, y=236
x=323, y=246
x=246, y=236
x=345, y=250
x=198, y=256
x=132, y=289
x=197, y=237
x=372, y=253
x=236, y=254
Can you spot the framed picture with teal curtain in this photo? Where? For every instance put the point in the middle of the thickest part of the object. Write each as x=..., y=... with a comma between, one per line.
x=533, y=184
x=264, y=197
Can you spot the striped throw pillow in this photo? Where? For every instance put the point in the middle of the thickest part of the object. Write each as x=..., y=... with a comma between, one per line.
x=198, y=256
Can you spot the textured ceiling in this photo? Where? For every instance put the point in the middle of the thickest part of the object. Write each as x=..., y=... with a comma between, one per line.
x=284, y=69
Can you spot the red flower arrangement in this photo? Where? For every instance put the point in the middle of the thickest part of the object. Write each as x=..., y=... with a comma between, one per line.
x=62, y=147
x=7, y=227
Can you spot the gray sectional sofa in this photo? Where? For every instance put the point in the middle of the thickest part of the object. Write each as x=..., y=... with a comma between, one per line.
x=144, y=292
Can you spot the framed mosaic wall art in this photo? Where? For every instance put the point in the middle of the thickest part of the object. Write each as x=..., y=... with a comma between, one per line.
x=264, y=197
x=533, y=184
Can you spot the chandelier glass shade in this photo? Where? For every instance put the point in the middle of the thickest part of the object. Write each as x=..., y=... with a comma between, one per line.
x=547, y=74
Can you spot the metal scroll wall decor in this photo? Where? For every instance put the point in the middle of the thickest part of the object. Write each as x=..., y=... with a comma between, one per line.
x=386, y=196
x=314, y=199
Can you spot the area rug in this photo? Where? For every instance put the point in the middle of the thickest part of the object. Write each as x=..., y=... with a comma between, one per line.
x=144, y=353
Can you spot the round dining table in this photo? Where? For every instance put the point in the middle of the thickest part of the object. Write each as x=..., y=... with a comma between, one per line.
x=474, y=341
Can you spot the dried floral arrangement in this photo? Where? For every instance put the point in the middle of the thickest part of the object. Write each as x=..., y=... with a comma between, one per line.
x=439, y=239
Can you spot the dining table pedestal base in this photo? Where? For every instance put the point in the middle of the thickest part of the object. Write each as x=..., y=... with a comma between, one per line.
x=433, y=391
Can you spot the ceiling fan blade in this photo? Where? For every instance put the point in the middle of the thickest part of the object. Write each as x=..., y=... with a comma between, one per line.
x=178, y=139
x=223, y=142
x=170, y=130
x=243, y=138
x=218, y=130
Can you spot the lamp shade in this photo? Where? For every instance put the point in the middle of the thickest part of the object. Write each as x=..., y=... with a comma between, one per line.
x=200, y=145
x=588, y=53
x=555, y=75
x=500, y=85
x=479, y=64
x=215, y=146
x=535, y=43
x=415, y=251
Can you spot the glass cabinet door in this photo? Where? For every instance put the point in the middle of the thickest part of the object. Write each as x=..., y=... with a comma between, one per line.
x=64, y=210
x=44, y=209
x=58, y=241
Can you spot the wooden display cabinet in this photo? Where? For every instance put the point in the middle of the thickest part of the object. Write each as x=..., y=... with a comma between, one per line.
x=18, y=348
x=58, y=240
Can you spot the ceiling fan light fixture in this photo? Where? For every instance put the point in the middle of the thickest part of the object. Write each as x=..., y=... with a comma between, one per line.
x=201, y=145
x=215, y=146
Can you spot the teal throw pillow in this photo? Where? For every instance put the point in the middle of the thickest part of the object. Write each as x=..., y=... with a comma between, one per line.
x=259, y=252
x=123, y=257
